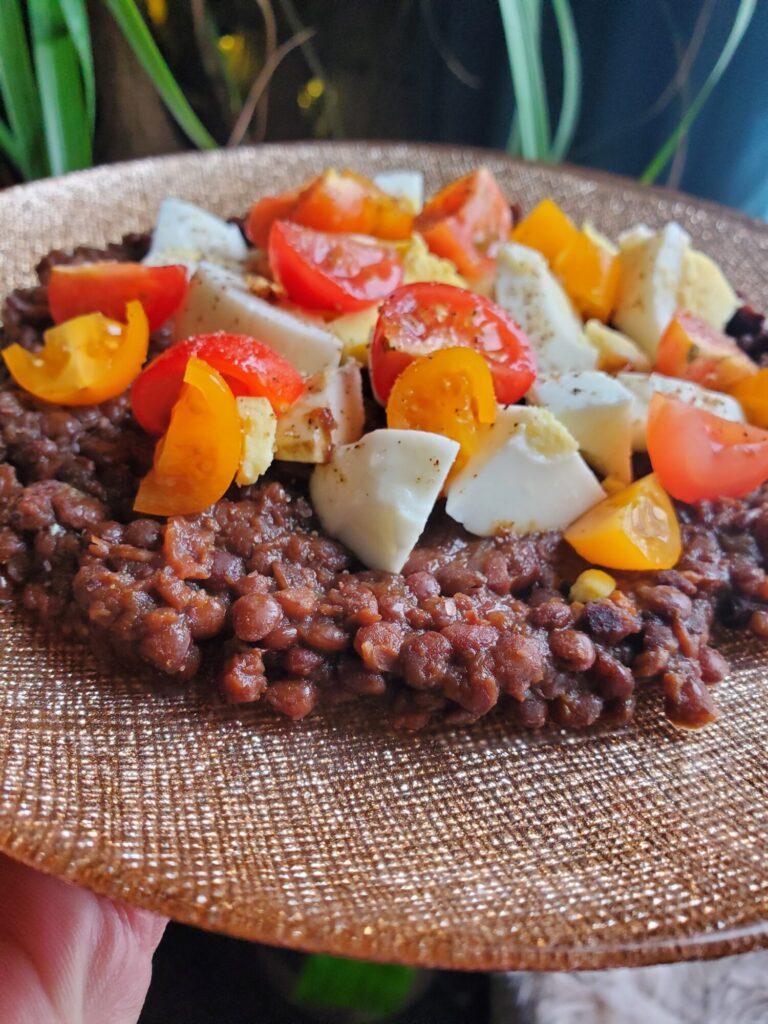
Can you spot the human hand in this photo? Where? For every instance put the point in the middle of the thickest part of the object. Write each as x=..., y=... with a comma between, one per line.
x=68, y=956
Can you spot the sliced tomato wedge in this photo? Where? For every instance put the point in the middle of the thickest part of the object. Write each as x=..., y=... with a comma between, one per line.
x=421, y=318
x=322, y=270
x=109, y=286
x=248, y=366
x=698, y=456
x=338, y=201
x=466, y=222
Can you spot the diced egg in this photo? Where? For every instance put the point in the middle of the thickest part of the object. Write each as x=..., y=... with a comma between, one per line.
x=405, y=185
x=597, y=410
x=220, y=300
x=529, y=292
x=705, y=291
x=643, y=386
x=615, y=351
x=258, y=424
x=651, y=272
x=599, y=239
x=187, y=234
x=526, y=475
x=330, y=413
x=376, y=495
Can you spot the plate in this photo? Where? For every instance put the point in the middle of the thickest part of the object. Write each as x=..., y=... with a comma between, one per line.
x=480, y=848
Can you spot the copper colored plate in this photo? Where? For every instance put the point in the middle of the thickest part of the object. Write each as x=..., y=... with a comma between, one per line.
x=476, y=848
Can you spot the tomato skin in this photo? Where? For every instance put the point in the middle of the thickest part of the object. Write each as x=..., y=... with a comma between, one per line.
x=418, y=319
x=335, y=201
x=466, y=222
x=694, y=350
x=248, y=366
x=322, y=270
x=709, y=457
x=107, y=287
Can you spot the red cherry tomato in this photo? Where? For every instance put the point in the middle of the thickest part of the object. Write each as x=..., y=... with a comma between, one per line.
x=421, y=318
x=698, y=456
x=248, y=366
x=108, y=287
x=466, y=222
x=334, y=201
x=322, y=270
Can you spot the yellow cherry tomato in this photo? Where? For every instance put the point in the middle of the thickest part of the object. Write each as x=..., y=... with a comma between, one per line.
x=449, y=392
x=636, y=528
x=588, y=271
x=197, y=457
x=85, y=360
x=752, y=393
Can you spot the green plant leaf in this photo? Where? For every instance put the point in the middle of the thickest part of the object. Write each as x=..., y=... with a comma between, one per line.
x=76, y=16
x=57, y=68
x=331, y=983
x=571, y=103
x=522, y=29
x=134, y=28
x=19, y=94
x=740, y=25
x=9, y=145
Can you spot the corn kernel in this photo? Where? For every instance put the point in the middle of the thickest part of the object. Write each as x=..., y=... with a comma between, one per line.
x=591, y=585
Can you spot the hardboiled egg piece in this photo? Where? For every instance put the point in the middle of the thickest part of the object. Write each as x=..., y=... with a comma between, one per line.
x=597, y=410
x=651, y=268
x=258, y=424
x=535, y=299
x=705, y=291
x=527, y=475
x=405, y=185
x=220, y=300
x=643, y=386
x=615, y=351
x=376, y=495
x=187, y=234
x=330, y=413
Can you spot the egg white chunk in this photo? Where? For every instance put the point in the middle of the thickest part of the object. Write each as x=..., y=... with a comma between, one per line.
x=527, y=475
x=186, y=234
x=615, y=351
x=597, y=410
x=406, y=185
x=651, y=273
x=530, y=293
x=258, y=424
x=643, y=386
x=376, y=495
x=220, y=300
x=328, y=414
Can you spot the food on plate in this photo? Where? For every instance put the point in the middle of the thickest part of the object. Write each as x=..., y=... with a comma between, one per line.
x=425, y=452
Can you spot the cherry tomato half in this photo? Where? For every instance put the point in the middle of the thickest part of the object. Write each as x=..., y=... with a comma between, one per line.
x=338, y=201
x=248, y=366
x=107, y=288
x=692, y=349
x=322, y=270
x=198, y=456
x=466, y=222
x=698, y=456
x=421, y=318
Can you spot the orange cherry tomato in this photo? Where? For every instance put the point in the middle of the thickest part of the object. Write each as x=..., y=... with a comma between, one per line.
x=322, y=270
x=107, y=288
x=336, y=201
x=198, y=456
x=84, y=361
x=248, y=366
x=634, y=529
x=694, y=350
x=423, y=317
x=466, y=222
x=752, y=393
x=449, y=392
x=588, y=272
x=698, y=456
